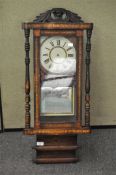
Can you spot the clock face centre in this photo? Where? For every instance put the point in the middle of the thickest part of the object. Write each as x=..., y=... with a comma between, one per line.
x=58, y=55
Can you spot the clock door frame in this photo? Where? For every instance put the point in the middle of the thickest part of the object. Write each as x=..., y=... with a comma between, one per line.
x=51, y=29
x=37, y=74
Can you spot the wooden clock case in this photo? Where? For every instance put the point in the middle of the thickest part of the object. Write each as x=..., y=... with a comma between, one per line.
x=59, y=138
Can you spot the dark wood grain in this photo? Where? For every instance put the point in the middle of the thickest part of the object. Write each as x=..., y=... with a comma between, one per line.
x=55, y=148
x=56, y=160
x=79, y=65
x=56, y=15
x=87, y=81
x=58, y=125
x=59, y=138
x=27, y=80
x=56, y=32
x=56, y=131
x=37, y=86
x=51, y=26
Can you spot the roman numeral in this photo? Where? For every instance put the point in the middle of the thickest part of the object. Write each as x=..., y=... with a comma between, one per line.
x=45, y=54
x=69, y=48
x=70, y=55
x=58, y=42
x=52, y=43
x=64, y=44
x=46, y=61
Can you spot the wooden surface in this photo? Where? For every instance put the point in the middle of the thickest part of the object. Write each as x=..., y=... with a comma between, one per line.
x=52, y=26
x=27, y=79
x=51, y=29
x=56, y=131
x=87, y=80
x=56, y=160
x=56, y=149
x=37, y=82
x=60, y=139
x=55, y=125
x=37, y=74
x=79, y=67
x=78, y=42
x=56, y=15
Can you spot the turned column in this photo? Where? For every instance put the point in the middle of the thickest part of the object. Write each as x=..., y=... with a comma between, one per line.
x=87, y=80
x=27, y=79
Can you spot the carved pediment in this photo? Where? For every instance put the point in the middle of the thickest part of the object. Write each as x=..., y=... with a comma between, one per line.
x=58, y=15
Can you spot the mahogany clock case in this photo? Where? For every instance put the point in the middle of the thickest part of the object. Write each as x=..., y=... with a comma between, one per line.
x=59, y=135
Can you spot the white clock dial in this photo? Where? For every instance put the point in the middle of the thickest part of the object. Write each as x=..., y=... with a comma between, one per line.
x=58, y=55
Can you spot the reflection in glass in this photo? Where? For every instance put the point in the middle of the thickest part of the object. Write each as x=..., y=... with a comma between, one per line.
x=58, y=62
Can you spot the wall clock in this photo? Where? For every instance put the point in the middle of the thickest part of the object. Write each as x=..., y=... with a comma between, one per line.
x=58, y=36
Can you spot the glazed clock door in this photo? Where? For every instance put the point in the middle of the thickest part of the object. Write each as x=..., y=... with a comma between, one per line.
x=58, y=69
x=58, y=36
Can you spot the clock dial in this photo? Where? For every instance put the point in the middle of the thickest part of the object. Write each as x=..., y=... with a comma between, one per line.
x=58, y=55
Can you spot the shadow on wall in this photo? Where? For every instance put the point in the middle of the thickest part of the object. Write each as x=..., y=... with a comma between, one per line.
x=1, y=113
x=96, y=76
